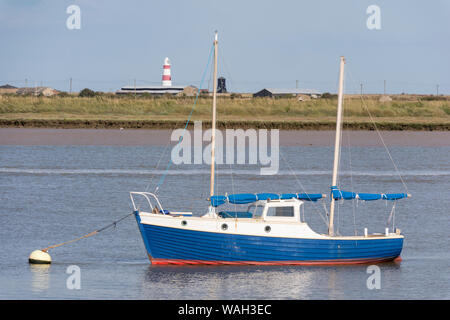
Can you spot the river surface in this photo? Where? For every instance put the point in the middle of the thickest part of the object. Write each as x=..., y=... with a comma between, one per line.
x=56, y=187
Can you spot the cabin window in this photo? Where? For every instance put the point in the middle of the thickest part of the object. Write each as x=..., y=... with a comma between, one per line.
x=280, y=212
x=256, y=210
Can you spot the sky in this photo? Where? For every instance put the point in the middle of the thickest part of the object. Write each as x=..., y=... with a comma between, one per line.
x=262, y=44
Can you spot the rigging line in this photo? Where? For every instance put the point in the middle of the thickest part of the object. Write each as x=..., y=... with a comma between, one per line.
x=211, y=73
x=382, y=140
x=182, y=198
x=351, y=182
x=338, y=232
x=341, y=132
x=231, y=169
x=350, y=165
x=163, y=177
x=325, y=208
x=113, y=224
x=304, y=190
x=154, y=173
x=227, y=71
x=391, y=216
x=222, y=58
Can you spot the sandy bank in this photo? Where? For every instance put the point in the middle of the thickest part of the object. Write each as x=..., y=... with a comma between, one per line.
x=144, y=137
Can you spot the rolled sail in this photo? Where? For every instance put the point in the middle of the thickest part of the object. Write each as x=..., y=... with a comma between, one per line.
x=244, y=198
x=348, y=195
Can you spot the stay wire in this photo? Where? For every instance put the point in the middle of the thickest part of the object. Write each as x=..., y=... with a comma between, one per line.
x=303, y=188
x=154, y=173
x=163, y=177
x=351, y=183
x=381, y=138
x=222, y=59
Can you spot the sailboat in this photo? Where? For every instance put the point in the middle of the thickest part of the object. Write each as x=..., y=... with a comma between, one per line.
x=277, y=236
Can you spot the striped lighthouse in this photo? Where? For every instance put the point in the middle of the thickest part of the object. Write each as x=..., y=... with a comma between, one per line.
x=166, y=78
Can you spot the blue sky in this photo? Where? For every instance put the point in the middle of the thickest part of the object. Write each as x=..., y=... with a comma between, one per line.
x=261, y=44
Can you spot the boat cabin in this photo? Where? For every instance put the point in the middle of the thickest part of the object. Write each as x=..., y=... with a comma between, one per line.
x=285, y=210
x=271, y=210
x=276, y=210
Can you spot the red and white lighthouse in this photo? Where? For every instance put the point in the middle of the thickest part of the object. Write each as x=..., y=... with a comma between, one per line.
x=166, y=78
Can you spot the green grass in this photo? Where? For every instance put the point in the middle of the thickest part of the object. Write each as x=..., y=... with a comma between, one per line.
x=111, y=108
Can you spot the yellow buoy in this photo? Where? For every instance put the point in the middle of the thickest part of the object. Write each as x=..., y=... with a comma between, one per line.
x=39, y=256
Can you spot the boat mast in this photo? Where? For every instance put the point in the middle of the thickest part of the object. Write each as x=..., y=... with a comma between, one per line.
x=213, y=127
x=337, y=143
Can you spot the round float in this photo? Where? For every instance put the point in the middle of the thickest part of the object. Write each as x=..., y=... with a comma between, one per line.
x=39, y=256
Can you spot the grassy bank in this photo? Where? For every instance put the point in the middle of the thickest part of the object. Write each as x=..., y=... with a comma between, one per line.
x=402, y=113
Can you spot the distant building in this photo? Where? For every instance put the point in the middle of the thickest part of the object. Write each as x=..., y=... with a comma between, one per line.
x=153, y=90
x=7, y=89
x=44, y=91
x=221, y=85
x=165, y=87
x=189, y=91
x=272, y=92
x=385, y=98
x=305, y=97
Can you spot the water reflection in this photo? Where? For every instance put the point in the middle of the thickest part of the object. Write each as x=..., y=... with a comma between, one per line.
x=254, y=282
x=40, y=277
x=229, y=282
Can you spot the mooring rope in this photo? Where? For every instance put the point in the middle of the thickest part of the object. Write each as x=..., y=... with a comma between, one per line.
x=87, y=235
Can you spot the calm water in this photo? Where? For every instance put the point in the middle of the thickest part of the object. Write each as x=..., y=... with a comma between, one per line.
x=51, y=194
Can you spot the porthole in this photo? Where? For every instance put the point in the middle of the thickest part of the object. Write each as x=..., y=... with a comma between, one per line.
x=267, y=228
x=184, y=222
x=224, y=226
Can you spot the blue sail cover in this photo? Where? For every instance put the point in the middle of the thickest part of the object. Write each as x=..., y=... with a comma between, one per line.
x=244, y=198
x=347, y=195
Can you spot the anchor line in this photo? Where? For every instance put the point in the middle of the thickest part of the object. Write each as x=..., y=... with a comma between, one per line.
x=113, y=224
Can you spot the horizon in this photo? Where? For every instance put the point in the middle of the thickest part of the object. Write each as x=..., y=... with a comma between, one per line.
x=261, y=45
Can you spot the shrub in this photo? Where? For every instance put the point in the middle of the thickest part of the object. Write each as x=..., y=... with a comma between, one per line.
x=434, y=98
x=63, y=94
x=328, y=95
x=87, y=93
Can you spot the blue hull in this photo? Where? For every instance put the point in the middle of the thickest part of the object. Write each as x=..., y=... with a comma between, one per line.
x=180, y=246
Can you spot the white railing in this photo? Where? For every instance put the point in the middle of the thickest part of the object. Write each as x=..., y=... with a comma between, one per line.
x=146, y=195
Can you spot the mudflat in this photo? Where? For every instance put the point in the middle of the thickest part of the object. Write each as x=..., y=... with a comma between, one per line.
x=161, y=137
